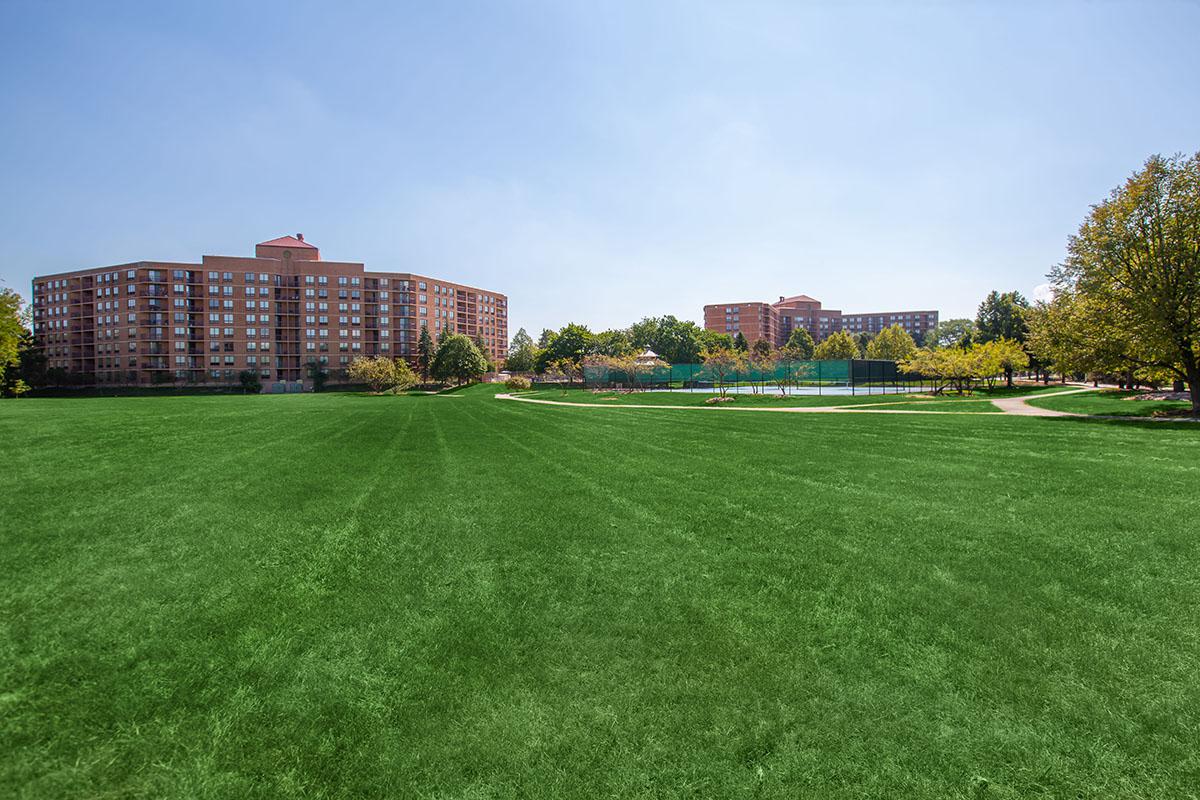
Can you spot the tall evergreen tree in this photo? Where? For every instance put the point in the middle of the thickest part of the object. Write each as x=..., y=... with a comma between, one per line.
x=1001, y=315
x=740, y=344
x=522, y=353
x=424, y=352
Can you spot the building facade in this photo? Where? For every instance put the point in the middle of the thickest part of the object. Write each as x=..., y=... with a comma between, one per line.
x=154, y=322
x=776, y=321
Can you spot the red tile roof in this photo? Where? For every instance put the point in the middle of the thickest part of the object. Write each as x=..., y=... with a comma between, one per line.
x=287, y=241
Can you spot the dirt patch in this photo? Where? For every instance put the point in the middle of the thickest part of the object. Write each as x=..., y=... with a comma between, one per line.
x=1184, y=396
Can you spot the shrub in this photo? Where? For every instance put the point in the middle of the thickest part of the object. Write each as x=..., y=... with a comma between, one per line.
x=249, y=381
x=518, y=383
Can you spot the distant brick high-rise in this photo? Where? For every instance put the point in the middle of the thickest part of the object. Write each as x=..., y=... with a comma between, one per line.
x=153, y=322
x=776, y=321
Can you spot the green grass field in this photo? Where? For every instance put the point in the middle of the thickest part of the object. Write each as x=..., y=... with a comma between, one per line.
x=1109, y=403
x=330, y=596
x=978, y=401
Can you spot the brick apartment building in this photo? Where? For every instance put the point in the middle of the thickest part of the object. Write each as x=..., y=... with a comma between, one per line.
x=776, y=321
x=154, y=322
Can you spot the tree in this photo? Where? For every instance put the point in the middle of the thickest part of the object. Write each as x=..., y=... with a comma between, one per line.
x=568, y=369
x=1134, y=267
x=892, y=344
x=863, y=339
x=482, y=347
x=521, y=353
x=30, y=369
x=762, y=361
x=425, y=350
x=249, y=381
x=573, y=342
x=673, y=340
x=458, y=359
x=951, y=333
x=544, y=340
x=375, y=372
x=11, y=329
x=799, y=345
x=382, y=373
x=1063, y=335
x=946, y=366
x=402, y=378
x=837, y=346
x=739, y=343
x=1001, y=315
x=1003, y=355
x=711, y=340
x=614, y=343
x=317, y=374
x=723, y=362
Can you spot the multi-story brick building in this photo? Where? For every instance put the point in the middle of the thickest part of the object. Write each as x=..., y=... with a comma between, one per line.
x=154, y=322
x=776, y=321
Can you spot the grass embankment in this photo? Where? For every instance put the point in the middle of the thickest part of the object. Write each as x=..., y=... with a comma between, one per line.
x=346, y=596
x=1113, y=403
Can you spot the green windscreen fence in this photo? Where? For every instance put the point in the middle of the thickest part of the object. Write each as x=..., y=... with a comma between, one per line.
x=684, y=376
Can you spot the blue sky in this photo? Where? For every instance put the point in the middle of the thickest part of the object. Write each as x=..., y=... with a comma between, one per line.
x=597, y=162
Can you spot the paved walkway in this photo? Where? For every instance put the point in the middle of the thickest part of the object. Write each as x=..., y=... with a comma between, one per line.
x=1020, y=405
x=1007, y=405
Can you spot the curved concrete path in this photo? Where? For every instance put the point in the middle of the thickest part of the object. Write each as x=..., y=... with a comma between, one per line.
x=1007, y=405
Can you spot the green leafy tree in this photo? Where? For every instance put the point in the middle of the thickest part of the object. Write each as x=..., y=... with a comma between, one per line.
x=458, y=359
x=31, y=364
x=675, y=341
x=1002, y=356
x=1134, y=266
x=613, y=343
x=522, y=353
x=382, y=373
x=425, y=350
x=482, y=347
x=799, y=345
x=837, y=346
x=544, y=340
x=712, y=340
x=951, y=333
x=573, y=343
x=740, y=344
x=12, y=327
x=892, y=344
x=955, y=367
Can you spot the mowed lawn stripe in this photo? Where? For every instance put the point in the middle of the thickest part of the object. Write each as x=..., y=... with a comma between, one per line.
x=469, y=597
